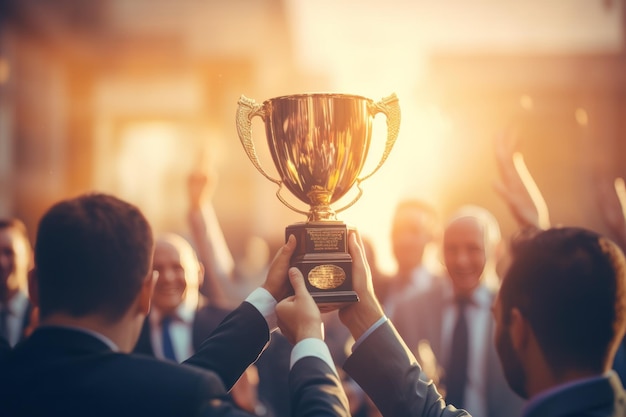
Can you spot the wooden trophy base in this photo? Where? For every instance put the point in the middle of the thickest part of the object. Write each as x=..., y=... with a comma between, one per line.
x=322, y=257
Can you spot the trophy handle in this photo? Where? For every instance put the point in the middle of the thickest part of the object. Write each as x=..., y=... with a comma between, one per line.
x=390, y=107
x=247, y=108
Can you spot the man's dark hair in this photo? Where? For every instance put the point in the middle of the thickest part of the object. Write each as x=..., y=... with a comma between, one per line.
x=570, y=284
x=92, y=254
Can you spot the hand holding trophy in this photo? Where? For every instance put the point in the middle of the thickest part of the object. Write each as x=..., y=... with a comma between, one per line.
x=319, y=144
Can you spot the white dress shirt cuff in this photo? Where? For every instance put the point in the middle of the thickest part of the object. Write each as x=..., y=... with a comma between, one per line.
x=263, y=301
x=369, y=331
x=312, y=347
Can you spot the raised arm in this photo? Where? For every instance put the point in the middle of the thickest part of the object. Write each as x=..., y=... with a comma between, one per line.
x=381, y=363
x=611, y=198
x=219, y=286
x=314, y=384
x=517, y=186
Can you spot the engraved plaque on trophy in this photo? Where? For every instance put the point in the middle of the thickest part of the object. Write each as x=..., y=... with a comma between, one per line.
x=319, y=144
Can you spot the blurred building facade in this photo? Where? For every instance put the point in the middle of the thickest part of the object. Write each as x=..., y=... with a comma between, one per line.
x=128, y=96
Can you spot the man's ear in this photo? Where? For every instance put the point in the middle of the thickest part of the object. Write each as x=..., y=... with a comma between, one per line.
x=519, y=329
x=33, y=287
x=145, y=294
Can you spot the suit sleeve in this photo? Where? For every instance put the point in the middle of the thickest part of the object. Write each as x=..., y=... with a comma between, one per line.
x=234, y=345
x=316, y=390
x=389, y=373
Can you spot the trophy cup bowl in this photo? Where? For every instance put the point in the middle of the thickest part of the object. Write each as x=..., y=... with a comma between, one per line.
x=319, y=144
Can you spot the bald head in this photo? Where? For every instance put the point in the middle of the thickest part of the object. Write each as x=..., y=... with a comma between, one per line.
x=180, y=274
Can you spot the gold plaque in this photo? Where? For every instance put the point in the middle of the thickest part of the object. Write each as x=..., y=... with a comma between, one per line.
x=326, y=277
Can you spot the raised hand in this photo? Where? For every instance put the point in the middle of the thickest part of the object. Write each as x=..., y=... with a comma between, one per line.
x=517, y=186
x=298, y=316
x=612, y=203
x=360, y=316
x=276, y=282
x=200, y=187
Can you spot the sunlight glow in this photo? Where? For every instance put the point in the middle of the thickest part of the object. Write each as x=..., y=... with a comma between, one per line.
x=413, y=170
x=151, y=167
x=581, y=117
x=4, y=71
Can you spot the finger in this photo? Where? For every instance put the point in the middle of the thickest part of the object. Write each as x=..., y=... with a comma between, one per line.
x=288, y=248
x=285, y=301
x=355, y=246
x=284, y=253
x=297, y=281
x=620, y=190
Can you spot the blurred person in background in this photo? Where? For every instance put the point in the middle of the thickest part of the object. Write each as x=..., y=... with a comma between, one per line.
x=460, y=327
x=415, y=226
x=16, y=311
x=176, y=325
x=209, y=240
x=223, y=286
x=525, y=200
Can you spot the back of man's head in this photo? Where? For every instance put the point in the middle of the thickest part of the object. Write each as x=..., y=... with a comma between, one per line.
x=92, y=255
x=570, y=284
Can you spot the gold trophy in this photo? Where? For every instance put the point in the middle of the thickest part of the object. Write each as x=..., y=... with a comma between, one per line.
x=319, y=144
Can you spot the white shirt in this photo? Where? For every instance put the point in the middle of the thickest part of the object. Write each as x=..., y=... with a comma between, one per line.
x=181, y=331
x=17, y=306
x=263, y=301
x=478, y=315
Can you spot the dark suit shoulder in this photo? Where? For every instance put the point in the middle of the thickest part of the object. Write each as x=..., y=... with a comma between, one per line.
x=67, y=373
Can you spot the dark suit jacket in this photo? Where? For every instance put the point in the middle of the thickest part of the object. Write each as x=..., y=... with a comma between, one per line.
x=65, y=372
x=420, y=318
x=389, y=373
x=205, y=321
x=603, y=398
x=273, y=364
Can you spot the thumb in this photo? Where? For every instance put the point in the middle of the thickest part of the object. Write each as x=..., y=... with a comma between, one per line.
x=297, y=281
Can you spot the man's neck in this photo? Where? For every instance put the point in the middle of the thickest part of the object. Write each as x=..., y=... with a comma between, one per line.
x=119, y=332
x=549, y=381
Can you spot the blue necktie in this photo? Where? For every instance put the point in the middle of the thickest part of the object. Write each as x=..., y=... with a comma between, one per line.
x=168, y=347
x=457, y=367
x=4, y=325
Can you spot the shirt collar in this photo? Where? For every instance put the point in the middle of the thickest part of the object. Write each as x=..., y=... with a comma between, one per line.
x=17, y=304
x=481, y=296
x=182, y=313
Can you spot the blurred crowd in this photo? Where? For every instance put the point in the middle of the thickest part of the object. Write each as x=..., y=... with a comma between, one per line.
x=194, y=312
